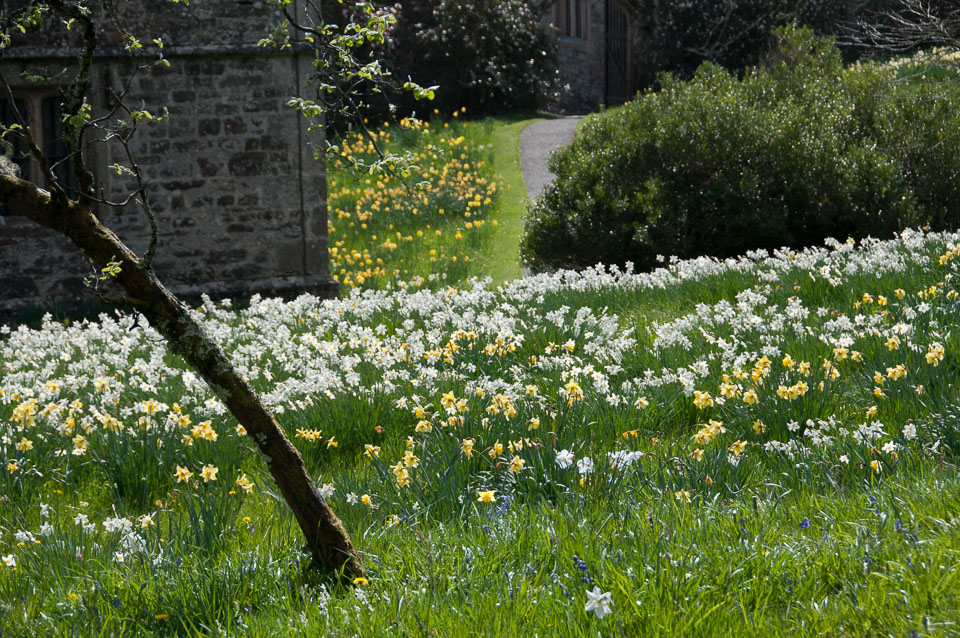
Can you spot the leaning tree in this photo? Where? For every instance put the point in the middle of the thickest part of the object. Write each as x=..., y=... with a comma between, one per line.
x=344, y=68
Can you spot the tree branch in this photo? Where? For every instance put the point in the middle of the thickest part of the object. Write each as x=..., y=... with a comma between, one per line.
x=74, y=104
x=27, y=135
x=913, y=24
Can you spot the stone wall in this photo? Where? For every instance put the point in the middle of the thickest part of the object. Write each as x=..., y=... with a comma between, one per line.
x=239, y=197
x=581, y=61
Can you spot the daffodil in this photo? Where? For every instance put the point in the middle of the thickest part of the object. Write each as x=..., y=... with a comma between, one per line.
x=702, y=400
x=410, y=459
x=245, y=484
x=209, y=473
x=599, y=602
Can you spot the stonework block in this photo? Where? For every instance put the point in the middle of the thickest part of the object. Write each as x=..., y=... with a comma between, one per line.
x=239, y=198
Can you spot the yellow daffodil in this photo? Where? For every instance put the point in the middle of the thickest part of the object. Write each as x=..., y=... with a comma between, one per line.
x=209, y=473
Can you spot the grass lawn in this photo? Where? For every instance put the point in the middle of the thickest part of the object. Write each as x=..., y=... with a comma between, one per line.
x=457, y=214
x=763, y=446
x=504, y=248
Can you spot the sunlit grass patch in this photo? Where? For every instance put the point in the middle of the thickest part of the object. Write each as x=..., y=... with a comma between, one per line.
x=427, y=221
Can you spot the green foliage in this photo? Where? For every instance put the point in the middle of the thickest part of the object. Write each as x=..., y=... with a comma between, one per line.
x=490, y=56
x=732, y=34
x=795, y=152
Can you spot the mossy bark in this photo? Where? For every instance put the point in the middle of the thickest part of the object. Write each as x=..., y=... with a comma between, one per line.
x=327, y=539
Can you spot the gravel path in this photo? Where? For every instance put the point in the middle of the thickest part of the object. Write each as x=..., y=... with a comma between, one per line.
x=537, y=141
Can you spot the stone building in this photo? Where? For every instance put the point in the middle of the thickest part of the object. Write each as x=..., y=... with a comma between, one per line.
x=600, y=43
x=239, y=197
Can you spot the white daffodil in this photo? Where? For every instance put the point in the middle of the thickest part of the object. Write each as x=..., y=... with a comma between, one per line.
x=599, y=602
x=585, y=465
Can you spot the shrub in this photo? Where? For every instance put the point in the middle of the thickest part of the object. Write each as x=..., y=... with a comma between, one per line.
x=487, y=55
x=787, y=156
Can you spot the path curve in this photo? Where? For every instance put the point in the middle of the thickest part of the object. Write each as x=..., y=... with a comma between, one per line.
x=537, y=141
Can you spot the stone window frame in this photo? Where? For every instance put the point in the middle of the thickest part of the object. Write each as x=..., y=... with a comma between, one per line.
x=34, y=99
x=573, y=19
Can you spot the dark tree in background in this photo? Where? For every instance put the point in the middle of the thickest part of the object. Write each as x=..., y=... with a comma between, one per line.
x=486, y=55
x=732, y=33
x=900, y=26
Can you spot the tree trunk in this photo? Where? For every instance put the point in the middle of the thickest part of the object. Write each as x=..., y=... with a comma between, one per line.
x=327, y=539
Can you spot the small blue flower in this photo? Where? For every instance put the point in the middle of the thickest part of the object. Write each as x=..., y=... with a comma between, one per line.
x=805, y=523
x=582, y=566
